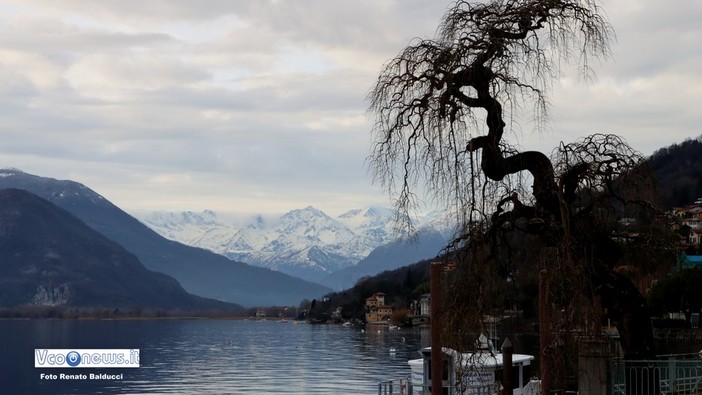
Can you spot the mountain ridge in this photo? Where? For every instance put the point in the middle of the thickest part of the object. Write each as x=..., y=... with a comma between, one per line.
x=305, y=243
x=199, y=271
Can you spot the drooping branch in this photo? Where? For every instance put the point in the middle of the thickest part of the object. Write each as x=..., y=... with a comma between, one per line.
x=430, y=99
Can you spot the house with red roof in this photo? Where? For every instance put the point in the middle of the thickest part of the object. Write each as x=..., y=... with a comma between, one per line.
x=376, y=309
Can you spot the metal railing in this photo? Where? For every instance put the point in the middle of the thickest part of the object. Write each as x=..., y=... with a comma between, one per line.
x=396, y=387
x=664, y=376
x=405, y=387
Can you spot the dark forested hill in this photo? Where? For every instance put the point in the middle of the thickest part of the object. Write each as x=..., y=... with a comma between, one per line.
x=49, y=257
x=429, y=243
x=678, y=169
x=401, y=286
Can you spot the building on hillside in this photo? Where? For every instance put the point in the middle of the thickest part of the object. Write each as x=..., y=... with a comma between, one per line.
x=421, y=310
x=696, y=237
x=336, y=314
x=691, y=216
x=376, y=309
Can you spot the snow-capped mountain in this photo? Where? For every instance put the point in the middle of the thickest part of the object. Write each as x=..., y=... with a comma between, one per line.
x=306, y=243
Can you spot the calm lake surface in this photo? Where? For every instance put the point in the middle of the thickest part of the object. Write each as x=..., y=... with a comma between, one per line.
x=213, y=356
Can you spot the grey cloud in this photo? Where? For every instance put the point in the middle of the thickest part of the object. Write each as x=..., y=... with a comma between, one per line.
x=54, y=36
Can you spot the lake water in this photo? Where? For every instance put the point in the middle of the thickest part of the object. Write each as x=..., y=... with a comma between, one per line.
x=212, y=356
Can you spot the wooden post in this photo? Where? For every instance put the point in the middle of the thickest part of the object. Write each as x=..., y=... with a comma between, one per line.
x=507, y=384
x=597, y=325
x=594, y=371
x=436, y=352
x=544, y=333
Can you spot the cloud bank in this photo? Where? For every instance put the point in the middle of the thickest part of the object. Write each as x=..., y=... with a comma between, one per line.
x=260, y=106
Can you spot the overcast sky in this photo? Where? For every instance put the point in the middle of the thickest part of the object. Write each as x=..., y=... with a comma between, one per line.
x=260, y=105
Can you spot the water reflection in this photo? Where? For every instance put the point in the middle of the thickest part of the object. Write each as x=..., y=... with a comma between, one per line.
x=203, y=356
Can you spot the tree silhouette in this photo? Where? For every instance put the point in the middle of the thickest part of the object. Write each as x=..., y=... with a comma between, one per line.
x=442, y=109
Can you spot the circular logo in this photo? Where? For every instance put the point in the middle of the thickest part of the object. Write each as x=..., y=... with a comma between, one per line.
x=73, y=358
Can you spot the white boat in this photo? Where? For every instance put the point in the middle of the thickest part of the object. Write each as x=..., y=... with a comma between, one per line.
x=473, y=373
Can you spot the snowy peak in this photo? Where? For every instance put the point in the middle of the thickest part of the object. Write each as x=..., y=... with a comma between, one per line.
x=258, y=223
x=305, y=213
x=372, y=217
x=187, y=227
x=312, y=227
x=368, y=214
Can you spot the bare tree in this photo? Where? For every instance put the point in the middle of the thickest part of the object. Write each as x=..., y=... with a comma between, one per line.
x=442, y=109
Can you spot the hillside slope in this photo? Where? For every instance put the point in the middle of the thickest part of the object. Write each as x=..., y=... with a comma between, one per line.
x=50, y=257
x=678, y=170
